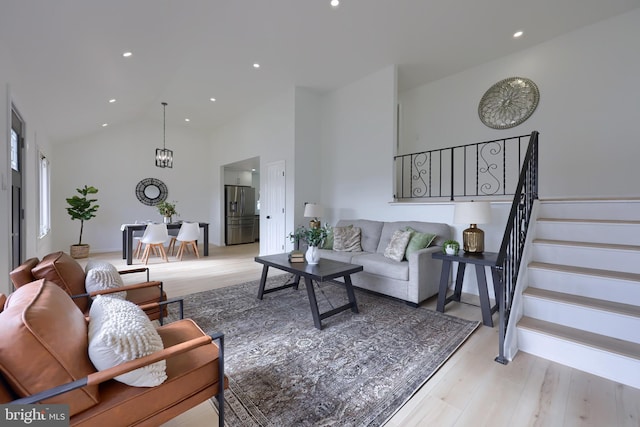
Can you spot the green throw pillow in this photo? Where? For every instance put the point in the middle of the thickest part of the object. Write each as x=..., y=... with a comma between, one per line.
x=328, y=241
x=418, y=241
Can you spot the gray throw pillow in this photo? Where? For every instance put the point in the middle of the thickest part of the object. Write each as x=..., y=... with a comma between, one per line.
x=346, y=239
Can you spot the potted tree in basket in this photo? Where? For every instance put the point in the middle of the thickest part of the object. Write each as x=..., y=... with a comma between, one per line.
x=83, y=209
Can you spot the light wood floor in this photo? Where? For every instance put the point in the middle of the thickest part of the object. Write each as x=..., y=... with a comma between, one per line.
x=470, y=389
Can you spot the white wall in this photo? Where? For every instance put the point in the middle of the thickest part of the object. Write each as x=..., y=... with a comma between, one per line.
x=308, y=167
x=266, y=132
x=114, y=161
x=587, y=116
x=14, y=91
x=358, y=145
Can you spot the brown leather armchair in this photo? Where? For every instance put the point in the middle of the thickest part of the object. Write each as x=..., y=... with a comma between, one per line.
x=66, y=272
x=40, y=320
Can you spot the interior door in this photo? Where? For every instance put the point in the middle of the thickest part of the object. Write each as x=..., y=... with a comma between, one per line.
x=274, y=209
x=17, y=210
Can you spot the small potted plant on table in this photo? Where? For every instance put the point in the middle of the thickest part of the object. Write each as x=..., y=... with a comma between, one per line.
x=167, y=210
x=451, y=247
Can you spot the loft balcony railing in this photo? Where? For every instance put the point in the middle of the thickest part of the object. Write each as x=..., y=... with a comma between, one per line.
x=489, y=168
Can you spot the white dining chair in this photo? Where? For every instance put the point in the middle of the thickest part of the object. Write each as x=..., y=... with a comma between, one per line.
x=188, y=236
x=155, y=235
x=137, y=239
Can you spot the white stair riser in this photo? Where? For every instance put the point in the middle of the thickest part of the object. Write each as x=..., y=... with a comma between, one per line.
x=608, y=365
x=591, y=210
x=616, y=260
x=625, y=234
x=622, y=291
x=587, y=319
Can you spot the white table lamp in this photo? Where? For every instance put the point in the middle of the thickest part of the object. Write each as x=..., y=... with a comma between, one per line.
x=472, y=213
x=313, y=210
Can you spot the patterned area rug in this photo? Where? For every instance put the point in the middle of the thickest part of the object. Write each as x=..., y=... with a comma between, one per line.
x=357, y=371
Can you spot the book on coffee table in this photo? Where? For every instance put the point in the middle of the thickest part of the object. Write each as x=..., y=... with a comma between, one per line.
x=296, y=256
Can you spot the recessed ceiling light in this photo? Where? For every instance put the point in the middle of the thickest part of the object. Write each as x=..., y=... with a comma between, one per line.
x=256, y=65
x=112, y=100
x=187, y=120
x=335, y=3
x=127, y=54
x=212, y=99
x=104, y=125
x=517, y=34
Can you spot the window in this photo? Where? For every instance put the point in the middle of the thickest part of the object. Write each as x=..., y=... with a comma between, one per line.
x=15, y=150
x=45, y=196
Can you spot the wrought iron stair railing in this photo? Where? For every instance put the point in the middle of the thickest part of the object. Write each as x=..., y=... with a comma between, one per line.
x=513, y=242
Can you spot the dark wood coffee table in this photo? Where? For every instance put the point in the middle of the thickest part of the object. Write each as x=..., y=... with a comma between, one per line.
x=325, y=271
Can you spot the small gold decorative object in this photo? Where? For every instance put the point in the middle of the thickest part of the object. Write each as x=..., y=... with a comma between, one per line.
x=473, y=240
x=472, y=213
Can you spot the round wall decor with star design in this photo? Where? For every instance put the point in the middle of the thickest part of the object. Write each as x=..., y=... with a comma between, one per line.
x=508, y=103
x=151, y=191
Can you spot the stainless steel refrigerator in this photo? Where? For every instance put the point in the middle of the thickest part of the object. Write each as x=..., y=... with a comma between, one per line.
x=240, y=214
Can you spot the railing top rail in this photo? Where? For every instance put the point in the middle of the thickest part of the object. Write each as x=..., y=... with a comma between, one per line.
x=531, y=149
x=464, y=145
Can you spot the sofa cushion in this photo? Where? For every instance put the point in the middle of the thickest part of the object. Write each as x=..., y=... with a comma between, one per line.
x=102, y=275
x=369, y=232
x=346, y=239
x=382, y=266
x=337, y=256
x=64, y=271
x=442, y=231
x=119, y=331
x=398, y=244
x=21, y=275
x=418, y=241
x=43, y=344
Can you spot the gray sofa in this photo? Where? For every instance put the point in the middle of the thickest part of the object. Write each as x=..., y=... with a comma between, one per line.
x=412, y=281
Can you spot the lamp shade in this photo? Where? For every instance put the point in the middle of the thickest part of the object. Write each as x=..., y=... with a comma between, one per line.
x=472, y=213
x=313, y=210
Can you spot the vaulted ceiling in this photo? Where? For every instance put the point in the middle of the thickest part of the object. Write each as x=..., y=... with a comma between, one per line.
x=67, y=54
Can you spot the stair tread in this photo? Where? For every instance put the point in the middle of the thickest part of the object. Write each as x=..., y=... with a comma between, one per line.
x=602, y=342
x=621, y=275
x=591, y=221
x=594, y=303
x=614, y=246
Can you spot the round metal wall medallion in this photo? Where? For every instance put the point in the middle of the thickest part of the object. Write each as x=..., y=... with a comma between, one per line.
x=508, y=103
x=151, y=191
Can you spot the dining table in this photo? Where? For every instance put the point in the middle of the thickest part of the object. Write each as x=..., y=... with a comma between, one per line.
x=129, y=229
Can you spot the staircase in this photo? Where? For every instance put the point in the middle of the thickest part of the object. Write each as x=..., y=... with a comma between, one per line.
x=581, y=307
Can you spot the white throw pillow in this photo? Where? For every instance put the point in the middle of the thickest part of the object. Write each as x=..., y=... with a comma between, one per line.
x=396, y=247
x=119, y=331
x=101, y=275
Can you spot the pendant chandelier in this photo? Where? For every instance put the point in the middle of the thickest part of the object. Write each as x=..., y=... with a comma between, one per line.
x=164, y=157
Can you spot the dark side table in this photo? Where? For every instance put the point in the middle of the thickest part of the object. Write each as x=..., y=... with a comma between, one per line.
x=485, y=259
